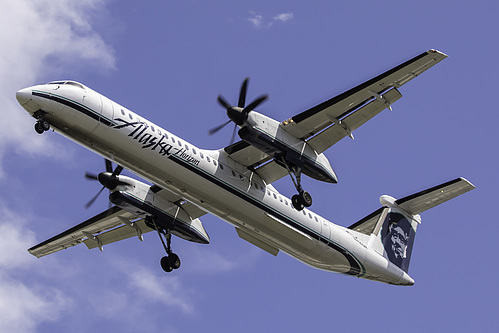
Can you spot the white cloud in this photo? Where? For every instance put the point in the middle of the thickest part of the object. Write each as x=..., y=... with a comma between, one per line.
x=23, y=305
x=258, y=21
x=39, y=37
x=284, y=17
x=166, y=289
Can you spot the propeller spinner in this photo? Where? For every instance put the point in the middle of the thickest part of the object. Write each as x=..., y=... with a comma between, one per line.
x=109, y=179
x=238, y=114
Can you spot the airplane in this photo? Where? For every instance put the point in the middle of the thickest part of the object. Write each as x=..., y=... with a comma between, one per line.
x=184, y=182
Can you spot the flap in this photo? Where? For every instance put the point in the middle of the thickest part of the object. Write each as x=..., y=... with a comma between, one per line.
x=350, y=123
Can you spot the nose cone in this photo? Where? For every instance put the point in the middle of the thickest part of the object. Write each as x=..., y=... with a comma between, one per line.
x=25, y=98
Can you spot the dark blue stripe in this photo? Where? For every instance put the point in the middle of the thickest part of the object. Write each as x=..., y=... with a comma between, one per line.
x=77, y=107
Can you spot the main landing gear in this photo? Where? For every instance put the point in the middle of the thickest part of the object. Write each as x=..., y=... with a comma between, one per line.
x=303, y=198
x=171, y=261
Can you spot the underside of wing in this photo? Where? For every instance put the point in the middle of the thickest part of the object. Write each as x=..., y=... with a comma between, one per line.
x=315, y=120
x=109, y=226
x=192, y=210
x=256, y=160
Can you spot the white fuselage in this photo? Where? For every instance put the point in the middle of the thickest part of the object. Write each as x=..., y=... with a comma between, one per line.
x=208, y=178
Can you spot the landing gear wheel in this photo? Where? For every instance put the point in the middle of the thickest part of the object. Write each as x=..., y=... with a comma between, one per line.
x=297, y=204
x=44, y=124
x=38, y=128
x=306, y=199
x=41, y=126
x=165, y=264
x=174, y=261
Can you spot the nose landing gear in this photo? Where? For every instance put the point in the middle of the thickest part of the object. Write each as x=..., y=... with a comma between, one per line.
x=42, y=125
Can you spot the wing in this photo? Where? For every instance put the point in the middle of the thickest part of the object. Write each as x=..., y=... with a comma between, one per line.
x=327, y=123
x=109, y=226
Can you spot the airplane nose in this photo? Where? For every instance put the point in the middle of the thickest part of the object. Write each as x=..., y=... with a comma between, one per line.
x=25, y=98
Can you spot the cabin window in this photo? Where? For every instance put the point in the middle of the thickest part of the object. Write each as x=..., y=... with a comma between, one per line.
x=221, y=165
x=207, y=158
x=275, y=196
x=179, y=143
x=233, y=173
x=241, y=177
x=201, y=154
x=286, y=202
x=280, y=199
x=215, y=162
x=309, y=215
x=152, y=128
x=186, y=147
x=130, y=116
x=122, y=112
x=268, y=192
x=316, y=220
x=159, y=132
x=255, y=185
x=304, y=212
x=166, y=136
x=173, y=139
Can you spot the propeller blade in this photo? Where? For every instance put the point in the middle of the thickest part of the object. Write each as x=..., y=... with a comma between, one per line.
x=242, y=93
x=117, y=171
x=90, y=203
x=223, y=102
x=109, y=166
x=218, y=128
x=91, y=176
x=233, y=135
x=254, y=104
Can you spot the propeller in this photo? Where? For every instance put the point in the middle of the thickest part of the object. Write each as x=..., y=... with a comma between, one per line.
x=238, y=114
x=109, y=179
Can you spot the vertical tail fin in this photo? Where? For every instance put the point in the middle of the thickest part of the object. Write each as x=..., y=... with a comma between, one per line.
x=397, y=237
x=393, y=227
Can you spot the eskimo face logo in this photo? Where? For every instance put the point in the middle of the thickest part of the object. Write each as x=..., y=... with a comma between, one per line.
x=396, y=238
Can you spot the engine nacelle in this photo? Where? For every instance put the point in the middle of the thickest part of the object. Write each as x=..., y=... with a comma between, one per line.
x=138, y=198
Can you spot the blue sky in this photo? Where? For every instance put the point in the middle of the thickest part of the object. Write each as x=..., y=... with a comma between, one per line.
x=168, y=60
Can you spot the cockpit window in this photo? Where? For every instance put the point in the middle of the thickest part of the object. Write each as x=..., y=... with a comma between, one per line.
x=71, y=83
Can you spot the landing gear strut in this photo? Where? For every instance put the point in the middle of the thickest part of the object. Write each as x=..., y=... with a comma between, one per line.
x=303, y=198
x=171, y=261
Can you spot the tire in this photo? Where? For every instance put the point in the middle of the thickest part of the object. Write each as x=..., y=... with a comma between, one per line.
x=38, y=128
x=44, y=125
x=165, y=264
x=174, y=261
x=297, y=204
x=306, y=199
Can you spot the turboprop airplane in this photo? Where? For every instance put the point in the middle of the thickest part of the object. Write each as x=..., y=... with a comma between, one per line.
x=234, y=183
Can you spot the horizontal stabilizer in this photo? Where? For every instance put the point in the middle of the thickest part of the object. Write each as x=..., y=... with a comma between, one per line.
x=424, y=200
x=414, y=204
